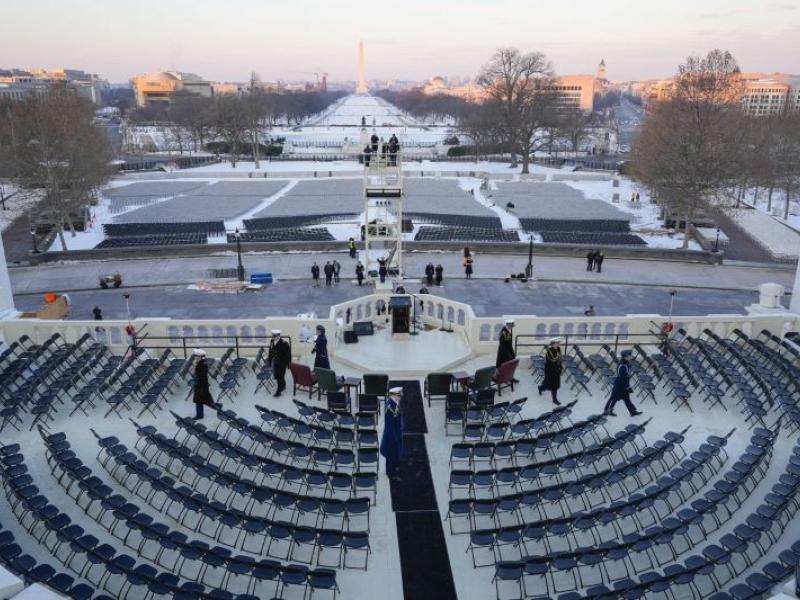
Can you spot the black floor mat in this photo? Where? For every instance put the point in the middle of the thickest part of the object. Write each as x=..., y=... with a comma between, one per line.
x=414, y=491
x=413, y=409
x=424, y=562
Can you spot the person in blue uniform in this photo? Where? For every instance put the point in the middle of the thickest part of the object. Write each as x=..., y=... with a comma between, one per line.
x=392, y=440
x=621, y=389
x=320, y=350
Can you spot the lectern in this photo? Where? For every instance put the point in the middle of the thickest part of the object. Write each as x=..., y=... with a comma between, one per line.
x=400, y=307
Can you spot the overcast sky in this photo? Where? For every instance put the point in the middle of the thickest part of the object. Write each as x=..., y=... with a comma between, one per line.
x=408, y=39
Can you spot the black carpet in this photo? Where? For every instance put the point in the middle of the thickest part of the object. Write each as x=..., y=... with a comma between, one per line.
x=413, y=408
x=414, y=491
x=424, y=562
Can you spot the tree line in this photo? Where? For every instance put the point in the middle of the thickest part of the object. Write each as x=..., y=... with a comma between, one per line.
x=240, y=123
x=698, y=149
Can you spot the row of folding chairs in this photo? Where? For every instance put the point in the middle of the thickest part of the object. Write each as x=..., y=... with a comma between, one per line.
x=257, y=499
x=591, y=490
x=589, y=460
x=462, y=409
x=708, y=569
x=290, y=430
x=367, y=412
x=592, y=543
x=576, y=435
x=213, y=519
x=107, y=568
x=269, y=455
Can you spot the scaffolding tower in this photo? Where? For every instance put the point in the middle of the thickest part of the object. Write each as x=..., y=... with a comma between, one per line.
x=383, y=213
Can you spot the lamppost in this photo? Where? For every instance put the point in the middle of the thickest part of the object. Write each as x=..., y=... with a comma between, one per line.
x=716, y=242
x=529, y=268
x=240, y=266
x=127, y=297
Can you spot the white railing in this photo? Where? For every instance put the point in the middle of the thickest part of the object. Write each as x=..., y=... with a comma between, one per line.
x=481, y=332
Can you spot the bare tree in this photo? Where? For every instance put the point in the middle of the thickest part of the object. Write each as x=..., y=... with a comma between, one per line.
x=53, y=151
x=192, y=113
x=574, y=126
x=521, y=85
x=690, y=146
x=257, y=109
x=230, y=124
x=482, y=125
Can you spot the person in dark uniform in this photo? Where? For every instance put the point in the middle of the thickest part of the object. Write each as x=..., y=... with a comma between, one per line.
x=621, y=389
x=505, y=349
x=382, y=271
x=328, y=270
x=315, y=274
x=336, y=270
x=367, y=153
x=439, y=271
x=392, y=439
x=202, y=391
x=429, y=271
x=598, y=260
x=279, y=357
x=98, y=313
x=553, y=366
x=374, y=139
x=360, y=273
x=320, y=350
x=590, y=260
x=468, y=267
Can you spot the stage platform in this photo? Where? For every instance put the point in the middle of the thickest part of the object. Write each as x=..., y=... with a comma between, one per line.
x=405, y=355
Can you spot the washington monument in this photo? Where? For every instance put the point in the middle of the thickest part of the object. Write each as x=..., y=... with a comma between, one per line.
x=362, y=81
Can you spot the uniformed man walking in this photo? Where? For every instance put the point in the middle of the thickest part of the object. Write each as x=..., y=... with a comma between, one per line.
x=392, y=439
x=621, y=389
x=505, y=349
x=279, y=357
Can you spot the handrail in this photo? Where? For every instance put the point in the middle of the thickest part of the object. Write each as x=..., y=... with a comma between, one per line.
x=238, y=344
x=585, y=339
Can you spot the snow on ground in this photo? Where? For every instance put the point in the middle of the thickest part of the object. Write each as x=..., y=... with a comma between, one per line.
x=761, y=202
x=16, y=204
x=777, y=238
x=667, y=240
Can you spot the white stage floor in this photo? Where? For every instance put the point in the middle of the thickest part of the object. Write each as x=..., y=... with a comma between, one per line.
x=423, y=353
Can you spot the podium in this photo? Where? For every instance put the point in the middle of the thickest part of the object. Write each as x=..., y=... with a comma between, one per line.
x=400, y=307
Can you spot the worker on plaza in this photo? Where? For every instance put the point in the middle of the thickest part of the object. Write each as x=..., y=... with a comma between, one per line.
x=621, y=390
x=429, y=271
x=315, y=274
x=351, y=246
x=202, y=392
x=468, y=266
x=394, y=148
x=367, y=153
x=328, y=270
x=553, y=365
x=599, y=257
x=320, y=350
x=374, y=139
x=439, y=271
x=279, y=357
x=382, y=270
x=336, y=269
x=98, y=313
x=590, y=260
x=589, y=312
x=392, y=440
x=505, y=348
x=360, y=273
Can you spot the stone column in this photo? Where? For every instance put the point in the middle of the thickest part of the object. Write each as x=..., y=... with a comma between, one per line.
x=6, y=299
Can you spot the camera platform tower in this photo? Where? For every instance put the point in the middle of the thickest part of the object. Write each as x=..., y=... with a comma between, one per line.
x=383, y=216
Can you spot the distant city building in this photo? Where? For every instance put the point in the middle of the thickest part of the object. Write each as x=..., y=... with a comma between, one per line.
x=16, y=84
x=601, y=69
x=762, y=94
x=576, y=92
x=157, y=88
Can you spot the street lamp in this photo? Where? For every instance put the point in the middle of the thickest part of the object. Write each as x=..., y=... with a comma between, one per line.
x=716, y=242
x=240, y=266
x=529, y=268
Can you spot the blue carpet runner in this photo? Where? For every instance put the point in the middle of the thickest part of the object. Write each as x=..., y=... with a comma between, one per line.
x=424, y=562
